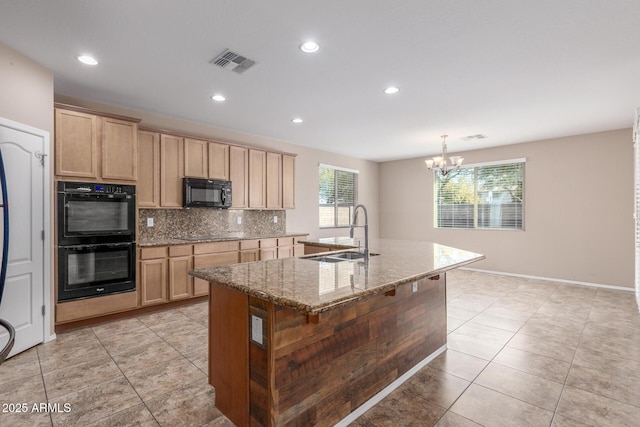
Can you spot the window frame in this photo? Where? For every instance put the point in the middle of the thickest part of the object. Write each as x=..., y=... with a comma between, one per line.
x=336, y=205
x=475, y=166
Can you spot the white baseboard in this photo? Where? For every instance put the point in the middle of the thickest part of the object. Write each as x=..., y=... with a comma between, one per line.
x=552, y=279
x=388, y=389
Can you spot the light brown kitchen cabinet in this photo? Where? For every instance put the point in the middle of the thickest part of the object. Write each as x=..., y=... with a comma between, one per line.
x=218, y=161
x=274, y=181
x=119, y=149
x=196, y=158
x=257, y=178
x=268, y=249
x=148, y=189
x=76, y=144
x=171, y=171
x=249, y=250
x=179, y=280
x=212, y=255
x=288, y=181
x=238, y=174
x=92, y=146
x=153, y=276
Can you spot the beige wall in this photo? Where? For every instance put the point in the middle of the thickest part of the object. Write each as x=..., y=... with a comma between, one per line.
x=305, y=217
x=26, y=91
x=26, y=96
x=578, y=209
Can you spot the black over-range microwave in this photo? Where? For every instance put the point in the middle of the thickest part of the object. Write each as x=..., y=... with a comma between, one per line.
x=206, y=193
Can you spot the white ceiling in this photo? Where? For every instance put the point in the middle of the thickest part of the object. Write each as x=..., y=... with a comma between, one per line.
x=515, y=71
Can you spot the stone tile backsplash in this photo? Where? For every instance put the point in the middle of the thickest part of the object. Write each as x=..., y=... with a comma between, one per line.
x=172, y=223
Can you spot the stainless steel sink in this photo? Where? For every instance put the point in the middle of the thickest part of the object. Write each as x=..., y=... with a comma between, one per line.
x=345, y=256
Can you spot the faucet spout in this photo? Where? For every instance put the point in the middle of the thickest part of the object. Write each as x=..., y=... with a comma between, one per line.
x=366, y=228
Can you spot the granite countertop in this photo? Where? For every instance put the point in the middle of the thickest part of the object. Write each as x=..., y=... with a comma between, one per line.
x=312, y=287
x=185, y=240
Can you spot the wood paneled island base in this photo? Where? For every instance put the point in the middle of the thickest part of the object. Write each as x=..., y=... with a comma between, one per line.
x=273, y=366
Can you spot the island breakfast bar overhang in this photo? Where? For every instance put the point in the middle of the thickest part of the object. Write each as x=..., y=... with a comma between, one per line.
x=299, y=341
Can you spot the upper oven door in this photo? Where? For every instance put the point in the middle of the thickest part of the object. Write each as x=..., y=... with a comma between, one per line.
x=95, y=218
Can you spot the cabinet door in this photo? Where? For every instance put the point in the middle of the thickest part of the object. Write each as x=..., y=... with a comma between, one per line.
x=250, y=255
x=218, y=161
x=196, y=158
x=257, y=178
x=76, y=142
x=153, y=281
x=274, y=181
x=238, y=173
x=148, y=190
x=171, y=171
x=285, y=252
x=268, y=253
x=288, y=182
x=119, y=149
x=179, y=279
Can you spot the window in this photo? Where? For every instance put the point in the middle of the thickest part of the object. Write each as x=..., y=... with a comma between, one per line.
x=337, y=195
x=481, y=196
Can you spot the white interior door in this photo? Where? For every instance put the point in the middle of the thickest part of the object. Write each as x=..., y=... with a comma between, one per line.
x=24, y=292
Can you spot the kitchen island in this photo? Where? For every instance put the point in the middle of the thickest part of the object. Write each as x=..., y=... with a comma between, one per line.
x=306, y=341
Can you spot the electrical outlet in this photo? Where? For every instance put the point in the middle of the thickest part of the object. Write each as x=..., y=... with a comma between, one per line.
x=275, y=219
x=414, y=286
x=256, y=329
x=239, y=220
x=149, y=222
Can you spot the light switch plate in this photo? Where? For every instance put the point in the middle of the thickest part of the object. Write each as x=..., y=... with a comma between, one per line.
x=414, y=286
x=275, y=219
x=239, y=220
x=149, y=222
x=256, y=329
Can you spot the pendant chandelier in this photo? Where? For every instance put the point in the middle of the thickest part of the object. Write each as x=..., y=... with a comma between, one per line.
x=440, y=162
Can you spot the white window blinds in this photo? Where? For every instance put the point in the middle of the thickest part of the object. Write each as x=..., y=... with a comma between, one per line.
x=337, y=195
x=481, y=196
x=636, y=214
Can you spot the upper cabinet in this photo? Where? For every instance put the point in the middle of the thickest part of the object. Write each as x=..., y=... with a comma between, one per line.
x=274, y=181
x=171, y=171
x=288, y=181
x=148, y=191
x=218, y=161
x=257, y=179
x=196, y=159
x=239, y=174
x=94, y=146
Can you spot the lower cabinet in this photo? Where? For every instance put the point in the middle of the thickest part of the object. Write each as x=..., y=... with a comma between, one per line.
x=212, y=255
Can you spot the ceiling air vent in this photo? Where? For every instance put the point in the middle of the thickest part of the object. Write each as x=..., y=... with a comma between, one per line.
x=476, y=136
x=233, y=61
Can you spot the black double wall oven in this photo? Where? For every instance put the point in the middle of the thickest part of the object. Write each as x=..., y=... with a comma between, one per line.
x=96, y=239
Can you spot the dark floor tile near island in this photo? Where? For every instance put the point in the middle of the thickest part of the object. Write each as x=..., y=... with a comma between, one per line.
x=521, y=353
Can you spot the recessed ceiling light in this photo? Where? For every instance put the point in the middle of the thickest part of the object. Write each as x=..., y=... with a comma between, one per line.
x=218, y=98
x=309, y=47
x=86, y=59
x=297, y=120
x=391, y=90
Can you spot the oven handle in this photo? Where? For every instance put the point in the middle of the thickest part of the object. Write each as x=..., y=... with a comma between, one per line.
x=98, y=245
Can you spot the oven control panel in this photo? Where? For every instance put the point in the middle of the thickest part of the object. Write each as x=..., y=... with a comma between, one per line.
x=93, y=187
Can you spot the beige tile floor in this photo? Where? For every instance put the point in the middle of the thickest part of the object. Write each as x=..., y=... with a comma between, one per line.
x=520, y=353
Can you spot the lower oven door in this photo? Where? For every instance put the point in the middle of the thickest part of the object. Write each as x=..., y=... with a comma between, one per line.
x=86, y=271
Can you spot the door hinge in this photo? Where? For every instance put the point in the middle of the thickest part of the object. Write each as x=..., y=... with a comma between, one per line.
x=40, y=156
x=42, y=234
x=43, y=310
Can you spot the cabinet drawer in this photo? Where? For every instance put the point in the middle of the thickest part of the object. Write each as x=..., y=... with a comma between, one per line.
x=152, y=253
x=182, y=250
x=249, y=244
x=285, y=241
x=268, y=243
x=213, y=260
x=209, y=248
